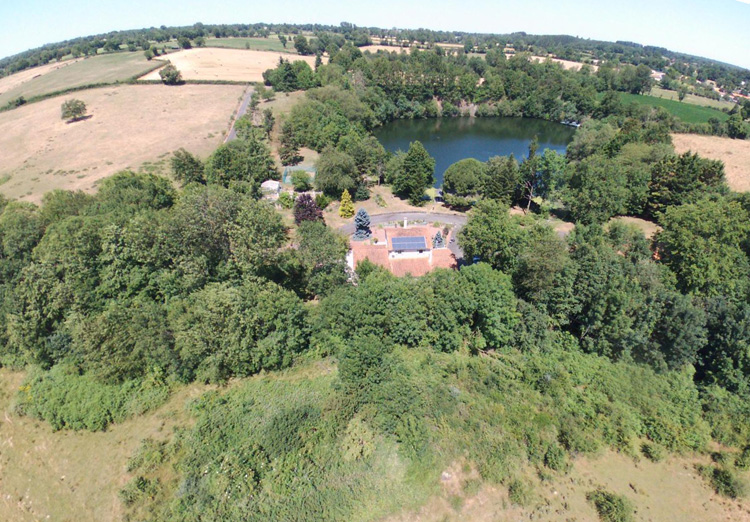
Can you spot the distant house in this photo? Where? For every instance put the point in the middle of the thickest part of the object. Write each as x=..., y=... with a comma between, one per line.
x=404, y=250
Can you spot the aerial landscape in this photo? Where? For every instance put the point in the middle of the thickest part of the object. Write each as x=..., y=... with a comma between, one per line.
x=470, y=266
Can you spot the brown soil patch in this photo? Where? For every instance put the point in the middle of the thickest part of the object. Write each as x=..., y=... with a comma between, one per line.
x=129, y=126
x=237, y=65
x=14, y=80
x=734, y=153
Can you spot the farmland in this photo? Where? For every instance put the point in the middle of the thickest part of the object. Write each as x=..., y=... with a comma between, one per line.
x=106, y=68
x=691, y=98
x=130, y=125
x=272, y=43
x=686, y=112
x=215, y=64
x=734, y=153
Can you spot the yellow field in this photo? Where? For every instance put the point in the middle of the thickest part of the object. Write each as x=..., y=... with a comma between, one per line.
x=129, y=126
x=567, y=64
x=14, y=80
x=734, y=153
x=238, y=65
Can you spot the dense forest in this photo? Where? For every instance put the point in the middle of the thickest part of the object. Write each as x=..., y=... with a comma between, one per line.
x=544, y=349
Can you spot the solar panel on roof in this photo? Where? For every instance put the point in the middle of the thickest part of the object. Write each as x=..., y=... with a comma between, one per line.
x=408, y=243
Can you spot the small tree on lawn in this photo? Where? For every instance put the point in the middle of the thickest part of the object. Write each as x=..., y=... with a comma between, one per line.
x=170, y=75
x=362, y=225
x=346, y=210
x=438, y=241
x=73, y=110
x=305, y=209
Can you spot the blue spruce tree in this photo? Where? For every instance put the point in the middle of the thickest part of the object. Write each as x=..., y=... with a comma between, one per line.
x=438, y=241
x=362, y=225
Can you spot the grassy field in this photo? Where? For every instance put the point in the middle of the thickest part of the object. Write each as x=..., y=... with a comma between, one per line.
x=691, y=98
x=687, y=112
x=734, y=153
x=65, y=476
x=272, y=43
x=131, y=126
x=107, y=68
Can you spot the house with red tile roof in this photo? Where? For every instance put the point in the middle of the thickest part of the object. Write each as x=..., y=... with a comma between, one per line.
x=404, y=250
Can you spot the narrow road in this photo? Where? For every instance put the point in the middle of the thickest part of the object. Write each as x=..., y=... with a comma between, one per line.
x=457, y=221
x=240, y=112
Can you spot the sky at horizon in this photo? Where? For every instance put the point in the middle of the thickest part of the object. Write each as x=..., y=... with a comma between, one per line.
x=716, y=29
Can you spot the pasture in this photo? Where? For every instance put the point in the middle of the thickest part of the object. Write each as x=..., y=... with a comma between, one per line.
x=105, y=68
x=734, y=153
x=216, y=64
x=686, y=112
x=130, y=125
x=691, y=98
x=272, y=43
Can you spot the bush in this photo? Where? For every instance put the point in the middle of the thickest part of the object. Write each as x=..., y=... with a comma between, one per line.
x=286, y=200
x=322, y=201
x=301, y=181
x=723, y=480
x=520, y=492
x=170, y=75
x=611, y=507
x=73, y=110
x=653, y=452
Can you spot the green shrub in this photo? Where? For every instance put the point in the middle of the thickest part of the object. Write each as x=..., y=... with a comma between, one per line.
x=723, y=481
x=322, y=201
x=742, y=461
x=301, y=181
x=611, y=507
x=653, y=452
x=286, y=200
x=520, y=492
x=66, y=399
x=379, y=201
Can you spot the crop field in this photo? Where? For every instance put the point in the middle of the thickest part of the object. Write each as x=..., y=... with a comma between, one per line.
x=106, y=68
x=226, y=64
x=131, y=126
x=272, y=43
x=691, y=98
x=687, y=112
x=734, y=153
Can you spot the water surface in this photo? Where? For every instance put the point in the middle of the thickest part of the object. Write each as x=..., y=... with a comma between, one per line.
x=449, y=140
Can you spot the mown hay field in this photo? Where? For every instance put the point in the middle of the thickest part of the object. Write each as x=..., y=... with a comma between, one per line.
x=106, y=68
x=734, y=153
x=131, y=126
x=214, y=64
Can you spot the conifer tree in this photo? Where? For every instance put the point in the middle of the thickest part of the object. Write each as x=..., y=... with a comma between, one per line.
x=346, y=210
x=438, y=241
x=362, y=225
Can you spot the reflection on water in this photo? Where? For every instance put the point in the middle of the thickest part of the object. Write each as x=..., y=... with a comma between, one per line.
x=449, y=140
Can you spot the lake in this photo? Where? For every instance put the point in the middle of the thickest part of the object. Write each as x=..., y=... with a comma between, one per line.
x=449, y=140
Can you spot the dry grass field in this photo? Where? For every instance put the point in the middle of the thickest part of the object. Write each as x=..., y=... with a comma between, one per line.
x=14, y=80
x=130, y=125
x=567, y=64
x=106, y=68
x=671, y=490
x=734, y=153
x=72, y=476
x=238, y=65
x=387, y=48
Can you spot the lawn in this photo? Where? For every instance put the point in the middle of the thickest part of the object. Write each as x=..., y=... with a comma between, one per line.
x=691, y=98
x=131, y=127
x=686, y=112
x=272, y=43
x=105, y=68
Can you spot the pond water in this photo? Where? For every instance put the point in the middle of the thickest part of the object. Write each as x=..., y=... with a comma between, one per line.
x=449, y=140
